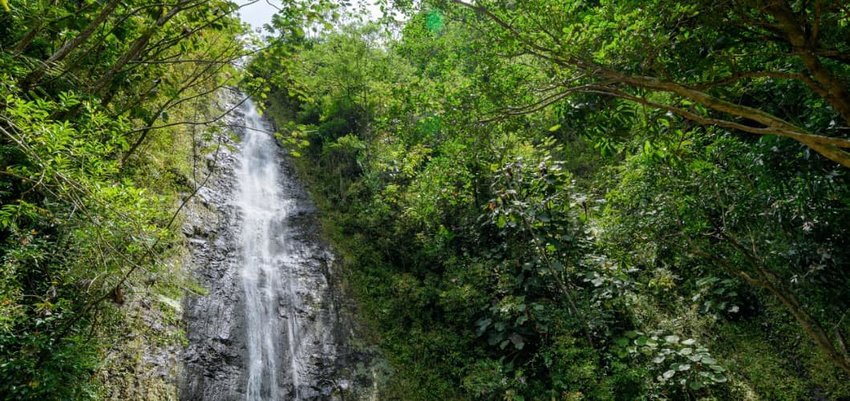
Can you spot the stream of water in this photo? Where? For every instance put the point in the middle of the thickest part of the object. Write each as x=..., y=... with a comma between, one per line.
x=270, y=295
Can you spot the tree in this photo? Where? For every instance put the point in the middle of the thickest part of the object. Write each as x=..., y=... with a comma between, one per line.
x=86, y=230
x=620, y=49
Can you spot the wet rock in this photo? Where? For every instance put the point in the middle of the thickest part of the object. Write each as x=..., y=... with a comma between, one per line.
x=313, y=309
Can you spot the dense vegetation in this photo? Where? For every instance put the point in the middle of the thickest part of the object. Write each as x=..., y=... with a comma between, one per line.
x=596, y=200
x=102, y=106
x=533, y=199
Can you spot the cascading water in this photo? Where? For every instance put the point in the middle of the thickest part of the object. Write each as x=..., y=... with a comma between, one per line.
x=271, y=326
x=264, y=211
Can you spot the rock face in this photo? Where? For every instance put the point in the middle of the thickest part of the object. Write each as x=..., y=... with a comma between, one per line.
x=273, y=324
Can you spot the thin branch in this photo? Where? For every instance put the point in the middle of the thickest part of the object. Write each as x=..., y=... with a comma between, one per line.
x=531, y=108
x=207, y=122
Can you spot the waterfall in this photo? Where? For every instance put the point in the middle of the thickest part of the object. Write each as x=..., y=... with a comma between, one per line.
x=269, y=293
x=273, y=326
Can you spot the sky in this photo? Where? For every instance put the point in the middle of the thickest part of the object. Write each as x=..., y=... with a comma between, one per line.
x=261, y=12
x=258, y=13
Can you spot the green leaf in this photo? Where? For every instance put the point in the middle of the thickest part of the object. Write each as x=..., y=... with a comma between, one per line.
x=622, y=341
x=517, y=340
x=718, y=378
x=673, y=339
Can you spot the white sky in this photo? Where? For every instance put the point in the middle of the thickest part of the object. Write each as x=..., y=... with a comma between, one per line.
x=261, y=12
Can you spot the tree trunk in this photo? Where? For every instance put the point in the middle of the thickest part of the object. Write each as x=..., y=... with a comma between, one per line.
x=804, y=44
x=135, y=49
x=72, y=44
x=773, y=284
x=26, y=40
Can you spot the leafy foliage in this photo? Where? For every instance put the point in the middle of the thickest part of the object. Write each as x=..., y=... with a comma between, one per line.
x=549, y=200
x=99, y=101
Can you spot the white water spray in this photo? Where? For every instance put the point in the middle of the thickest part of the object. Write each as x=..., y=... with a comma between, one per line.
x=269, y=293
